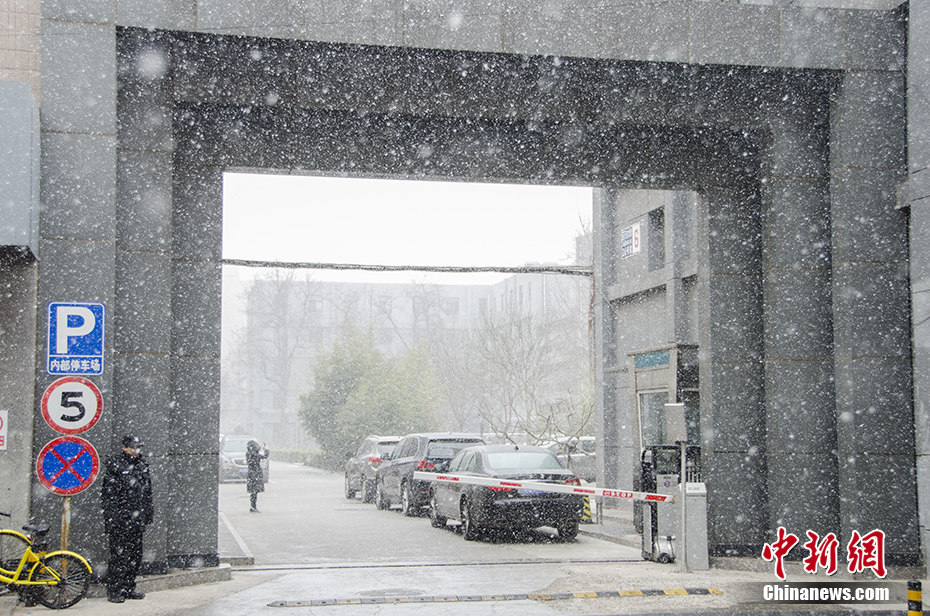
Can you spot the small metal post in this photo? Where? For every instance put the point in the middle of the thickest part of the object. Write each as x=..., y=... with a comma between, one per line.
x=914, y=598
x=683, y=486
x=65, y=521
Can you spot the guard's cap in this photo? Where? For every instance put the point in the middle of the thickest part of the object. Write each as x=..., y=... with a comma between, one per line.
x=131, y=441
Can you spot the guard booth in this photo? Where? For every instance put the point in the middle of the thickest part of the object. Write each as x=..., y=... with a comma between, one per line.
x=659, y=524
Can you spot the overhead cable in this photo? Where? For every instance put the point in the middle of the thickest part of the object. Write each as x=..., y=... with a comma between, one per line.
x=571, y=270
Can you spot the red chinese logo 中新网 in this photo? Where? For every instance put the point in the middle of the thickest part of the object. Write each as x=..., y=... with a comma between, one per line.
x=779, y=549
x=867, y=552
x=821, y=553
x=863, y=552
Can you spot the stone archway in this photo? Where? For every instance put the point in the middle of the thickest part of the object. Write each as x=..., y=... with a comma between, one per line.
x=754, y=142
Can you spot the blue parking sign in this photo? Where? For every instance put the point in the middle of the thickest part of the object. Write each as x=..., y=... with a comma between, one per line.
x=75, y=338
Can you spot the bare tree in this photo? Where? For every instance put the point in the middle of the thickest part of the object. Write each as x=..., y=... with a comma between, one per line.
x=281, y=309
x=451, y=366
x=525, y=374
x=531, y=381
x=525, y=370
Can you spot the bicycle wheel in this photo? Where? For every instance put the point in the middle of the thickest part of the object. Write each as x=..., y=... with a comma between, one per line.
x=72, y=578
x=12, y=548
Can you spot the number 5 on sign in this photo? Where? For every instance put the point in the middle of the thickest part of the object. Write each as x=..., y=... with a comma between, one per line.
x=72, y=405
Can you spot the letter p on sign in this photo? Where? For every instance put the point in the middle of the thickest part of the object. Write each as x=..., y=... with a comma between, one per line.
x=73, y=322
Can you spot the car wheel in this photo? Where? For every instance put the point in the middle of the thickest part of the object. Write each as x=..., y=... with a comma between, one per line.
x=406, y=501
x=350, y=493
x=381, y=500
x=368, y=490
x=568, y=531
x=469, y=528
x=436, y=520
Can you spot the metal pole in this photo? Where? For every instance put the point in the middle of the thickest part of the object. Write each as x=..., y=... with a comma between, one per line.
x=683, y=484
x=65, y=521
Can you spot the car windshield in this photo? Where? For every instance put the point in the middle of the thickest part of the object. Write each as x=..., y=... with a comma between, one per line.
x=235, y=446
x=447, y=449
x=522, y=460
x=384, y=448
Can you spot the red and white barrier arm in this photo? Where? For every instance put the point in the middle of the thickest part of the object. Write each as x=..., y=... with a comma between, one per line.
x=542, y=486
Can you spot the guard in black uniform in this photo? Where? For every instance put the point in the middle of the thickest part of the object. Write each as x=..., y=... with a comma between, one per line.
x=127, y=510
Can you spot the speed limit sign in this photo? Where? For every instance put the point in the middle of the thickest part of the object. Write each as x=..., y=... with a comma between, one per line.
x=72, y=405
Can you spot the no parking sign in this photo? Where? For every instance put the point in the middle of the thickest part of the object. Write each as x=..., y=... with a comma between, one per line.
x=67, y=465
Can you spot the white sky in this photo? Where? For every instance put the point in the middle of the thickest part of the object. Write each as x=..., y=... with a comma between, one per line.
x=397, y=222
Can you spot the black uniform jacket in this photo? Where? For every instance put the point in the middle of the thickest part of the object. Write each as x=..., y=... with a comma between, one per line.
x=127, y=493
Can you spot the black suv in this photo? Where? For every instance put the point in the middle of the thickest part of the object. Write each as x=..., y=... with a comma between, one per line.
x=416, y=452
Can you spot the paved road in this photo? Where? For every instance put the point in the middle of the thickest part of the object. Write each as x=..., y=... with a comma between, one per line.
x=305, y=519
x=312, y=545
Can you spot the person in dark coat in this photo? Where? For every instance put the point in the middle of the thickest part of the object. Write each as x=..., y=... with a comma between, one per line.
x=255, y=480
x=127, y=510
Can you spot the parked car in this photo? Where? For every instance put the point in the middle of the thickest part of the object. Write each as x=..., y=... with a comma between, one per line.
x=577, y=454
x=362, y=466
x=232, y=458
x=416, y=452
x=479, y=507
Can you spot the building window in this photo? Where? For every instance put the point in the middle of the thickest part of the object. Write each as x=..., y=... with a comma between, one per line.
x=450, y=305
x=655, y=239
x=655, y=359
x=652, y=417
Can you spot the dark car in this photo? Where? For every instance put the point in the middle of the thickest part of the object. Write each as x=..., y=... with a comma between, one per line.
x=233, y=466
x=416, y=452
x=363, y=465
x=478, y=507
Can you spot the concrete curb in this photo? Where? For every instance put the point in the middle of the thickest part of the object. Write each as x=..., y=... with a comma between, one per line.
x=533, y=596
x=175, y=578
x=631, y=541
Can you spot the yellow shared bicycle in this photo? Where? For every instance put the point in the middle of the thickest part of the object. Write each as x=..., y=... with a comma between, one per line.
x=55, y=579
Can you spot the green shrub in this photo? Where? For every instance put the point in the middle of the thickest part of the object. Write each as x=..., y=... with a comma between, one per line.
x=296, y=456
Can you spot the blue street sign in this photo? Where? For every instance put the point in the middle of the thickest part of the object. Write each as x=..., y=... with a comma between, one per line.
x=67, y=465
x=75, y=338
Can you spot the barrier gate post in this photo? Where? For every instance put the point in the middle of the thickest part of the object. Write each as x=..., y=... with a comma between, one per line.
x=696, y=494
x=682, y=556
x=693, y=522
x=678, y=531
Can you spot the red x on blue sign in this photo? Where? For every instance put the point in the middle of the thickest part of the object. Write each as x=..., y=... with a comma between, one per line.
x=67, y=465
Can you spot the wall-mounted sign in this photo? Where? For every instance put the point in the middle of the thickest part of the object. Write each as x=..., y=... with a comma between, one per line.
x=630, y=241
x=72, y=405
x=75, y=338
x=67, y=465
x=3, y=429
